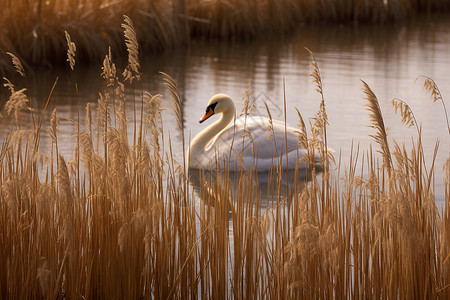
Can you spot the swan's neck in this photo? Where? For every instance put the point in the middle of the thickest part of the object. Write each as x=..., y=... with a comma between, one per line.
x=199, y=143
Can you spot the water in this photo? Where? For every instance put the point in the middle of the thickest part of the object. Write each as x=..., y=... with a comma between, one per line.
x=388, y=58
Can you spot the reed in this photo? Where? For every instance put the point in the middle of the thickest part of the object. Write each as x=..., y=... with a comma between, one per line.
x=34, y=30
x=119, y=219
x=430, y=85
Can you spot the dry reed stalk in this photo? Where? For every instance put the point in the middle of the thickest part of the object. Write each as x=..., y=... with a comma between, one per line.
x=40, y=121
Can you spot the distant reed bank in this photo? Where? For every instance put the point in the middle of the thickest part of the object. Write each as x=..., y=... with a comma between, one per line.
x=34, y=29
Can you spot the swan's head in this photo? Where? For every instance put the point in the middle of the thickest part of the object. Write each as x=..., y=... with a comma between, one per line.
x=220, y=103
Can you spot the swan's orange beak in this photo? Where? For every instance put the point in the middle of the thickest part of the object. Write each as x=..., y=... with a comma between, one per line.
x=209, y=113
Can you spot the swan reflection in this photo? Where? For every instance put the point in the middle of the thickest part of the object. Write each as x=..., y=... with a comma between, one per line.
x=250, y=188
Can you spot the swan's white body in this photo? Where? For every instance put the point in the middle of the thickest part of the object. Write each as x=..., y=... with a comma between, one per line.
x=244, y=142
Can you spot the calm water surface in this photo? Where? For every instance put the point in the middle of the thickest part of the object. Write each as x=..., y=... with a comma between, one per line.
x=388, y=58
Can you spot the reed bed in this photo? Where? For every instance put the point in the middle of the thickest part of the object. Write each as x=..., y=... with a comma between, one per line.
x=34, y=29
x=120, y=219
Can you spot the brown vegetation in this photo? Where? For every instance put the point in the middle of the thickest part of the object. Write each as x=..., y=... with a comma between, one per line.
x=34, y=29
x=119, y=220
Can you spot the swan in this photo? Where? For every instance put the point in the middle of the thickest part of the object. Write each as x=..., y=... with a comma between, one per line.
x=246, y=142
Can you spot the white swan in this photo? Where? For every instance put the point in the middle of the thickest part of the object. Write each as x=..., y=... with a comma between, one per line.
x=248, y=143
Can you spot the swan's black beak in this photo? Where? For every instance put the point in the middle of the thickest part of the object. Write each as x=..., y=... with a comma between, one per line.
x=209, y=112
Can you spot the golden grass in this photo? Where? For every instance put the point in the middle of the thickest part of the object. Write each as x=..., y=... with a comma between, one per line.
x=34, y=30
x=119, y=219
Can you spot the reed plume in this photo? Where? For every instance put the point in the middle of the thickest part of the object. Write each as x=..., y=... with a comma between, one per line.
x=430, y=85
x=409, y=120
x=270, y=126
x=71, y=49
x=303, y=141
x=318, y=129
x=17, y=64
x=131, y=72
x=247, y=109
x=63, y=179
x=247, y=106
x=177, y=107
x=103, y=113
x=405, y=111
x=17, y=101
x=109, y=69
x=446, y=169
x=53, y=130
x=315, y=74
x=376, y=119
x=302, y=134
x=177, y=102
x=153, y=104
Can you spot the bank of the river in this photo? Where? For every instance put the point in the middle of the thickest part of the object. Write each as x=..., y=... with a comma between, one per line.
x=34, y=30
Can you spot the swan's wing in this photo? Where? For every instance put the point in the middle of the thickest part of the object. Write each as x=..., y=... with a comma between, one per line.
x=255, y=143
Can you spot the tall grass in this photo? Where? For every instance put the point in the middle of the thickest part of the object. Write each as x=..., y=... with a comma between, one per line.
x=34, y=29
x=118, y=220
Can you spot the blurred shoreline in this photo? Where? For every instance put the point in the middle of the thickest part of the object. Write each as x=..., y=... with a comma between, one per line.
x=34, y=30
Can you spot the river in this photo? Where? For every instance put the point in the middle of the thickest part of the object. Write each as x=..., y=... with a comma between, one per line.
x=389, y=58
